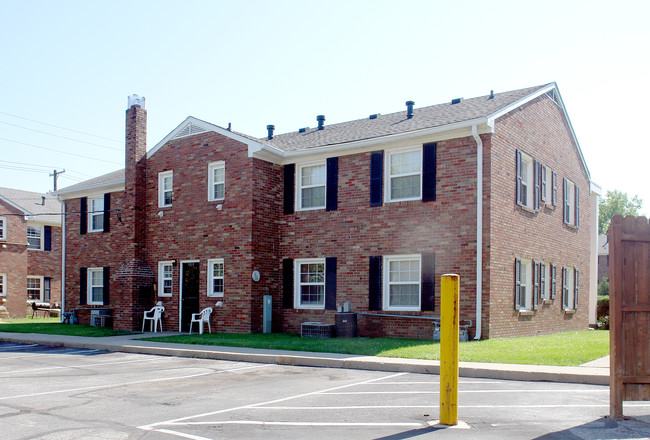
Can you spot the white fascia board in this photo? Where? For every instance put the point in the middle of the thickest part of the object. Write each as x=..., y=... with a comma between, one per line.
x=252, y=144
x=20, y=208
x=534, y=95
x=450, y=131
x=109, y=187
x=595, y=189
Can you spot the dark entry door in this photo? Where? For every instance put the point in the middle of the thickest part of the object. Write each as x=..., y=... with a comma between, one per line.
x=190, y=292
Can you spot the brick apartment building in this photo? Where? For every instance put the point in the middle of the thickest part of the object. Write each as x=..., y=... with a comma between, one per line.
x=368, y=212
x=30, y=250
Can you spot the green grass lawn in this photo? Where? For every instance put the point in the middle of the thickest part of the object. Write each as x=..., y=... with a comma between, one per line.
x=51, y=326
x=568, y=349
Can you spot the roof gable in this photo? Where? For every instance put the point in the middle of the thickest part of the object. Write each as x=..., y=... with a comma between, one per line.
x=42, y=207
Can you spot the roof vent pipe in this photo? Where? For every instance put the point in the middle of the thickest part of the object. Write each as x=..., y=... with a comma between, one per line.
x=491, y=94
x=409, y=109
x=321, y=121
x=270, y=129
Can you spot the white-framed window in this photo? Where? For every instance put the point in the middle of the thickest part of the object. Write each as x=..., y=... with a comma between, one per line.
x=547, y=183
x=3, y=284
x=404, y=175
x=95, y=285
x=401, y=282
x=570, y=280
x=165, y=188
x=311, y=182
x=96, y=214
x=545, y=281
x=215, y=277
x=525, y=183
x=3, y=228
x=571, y=203
x=165, y=274
x=35, y=289
x=34, y=237
x=217, y=180
x=523, y=284
x=309, y=283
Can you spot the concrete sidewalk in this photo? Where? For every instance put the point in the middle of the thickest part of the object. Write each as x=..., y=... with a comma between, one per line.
x=595, y=372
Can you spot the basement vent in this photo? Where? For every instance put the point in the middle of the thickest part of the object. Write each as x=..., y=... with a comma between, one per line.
x=189, y=130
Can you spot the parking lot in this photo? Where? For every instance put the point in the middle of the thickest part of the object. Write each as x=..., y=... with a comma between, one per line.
x=64, y=393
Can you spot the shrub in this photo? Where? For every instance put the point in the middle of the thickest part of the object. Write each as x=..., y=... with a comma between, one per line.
x=602, y=313
x=603, y=287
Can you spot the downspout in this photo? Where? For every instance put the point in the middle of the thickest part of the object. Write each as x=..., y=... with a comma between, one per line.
x=479, y=231
x=62, y=257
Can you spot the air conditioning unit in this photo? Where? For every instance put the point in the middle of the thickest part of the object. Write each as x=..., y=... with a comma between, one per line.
x=316, y=330
x=100, y=318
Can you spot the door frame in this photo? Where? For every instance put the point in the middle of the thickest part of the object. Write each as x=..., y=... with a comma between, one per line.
x=180, y=290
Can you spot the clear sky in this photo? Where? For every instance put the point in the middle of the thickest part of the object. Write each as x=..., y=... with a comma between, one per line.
x=68, y=67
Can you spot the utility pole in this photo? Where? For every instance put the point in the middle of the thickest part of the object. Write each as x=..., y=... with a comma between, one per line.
x=56, y=175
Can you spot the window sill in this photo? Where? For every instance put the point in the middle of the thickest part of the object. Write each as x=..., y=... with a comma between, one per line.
x=164, y=295
x=569, y=311
x=527, y=209
x=547, y=301
x=214, y=295
x=572, y=227
x=526, y=312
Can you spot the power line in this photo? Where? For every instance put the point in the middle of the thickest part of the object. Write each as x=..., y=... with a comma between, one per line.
x=42, y=166
x=62, y=137
x=62, y=128
x=59, y=151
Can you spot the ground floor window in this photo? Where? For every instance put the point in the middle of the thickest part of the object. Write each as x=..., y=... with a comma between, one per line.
x=95, y=285
x=310, y=284
x=215, y=277
x=570, y=279
x=402, y=282
x=165, y=272
x=3, y=284
x=523, y=284
x=34, y=289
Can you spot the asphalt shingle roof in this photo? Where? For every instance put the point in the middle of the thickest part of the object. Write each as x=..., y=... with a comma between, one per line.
x=106, y=179
x=32, y=202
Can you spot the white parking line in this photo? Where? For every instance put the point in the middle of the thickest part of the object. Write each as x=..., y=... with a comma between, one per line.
x=262, y=422
x=14, y=347
x=469, y=392
x=114, y=385
x=52, y=352
x=75, y=367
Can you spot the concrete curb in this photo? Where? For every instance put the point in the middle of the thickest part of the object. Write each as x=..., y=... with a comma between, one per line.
x=584, y=375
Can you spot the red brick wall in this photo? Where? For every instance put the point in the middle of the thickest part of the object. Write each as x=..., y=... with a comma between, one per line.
x=540, y=130
x=48, y=264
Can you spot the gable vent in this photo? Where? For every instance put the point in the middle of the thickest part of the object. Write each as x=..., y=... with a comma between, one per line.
x=189, y=130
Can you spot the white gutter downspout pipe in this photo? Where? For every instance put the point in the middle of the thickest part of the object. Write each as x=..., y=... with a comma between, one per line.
x=62, y=257
x=479, y=230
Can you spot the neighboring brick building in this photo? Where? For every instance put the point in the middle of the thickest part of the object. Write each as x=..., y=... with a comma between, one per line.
x=369, y=212
x=603, y=257
x=30, y=250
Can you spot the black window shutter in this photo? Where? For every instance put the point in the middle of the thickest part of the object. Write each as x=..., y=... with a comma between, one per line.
x=287, y=283
x=535, y=285
x=83, y=285
x=554, y=188
x=517, y=284
x=429, y=172
x=542, y=183
x=577, y=200
x=566, y=200
x=330, y=283
x=83, y=221
x=427, y=287
x=331, y=197
x=107, y=278
x=576, y=280
x=374, y=284
x=536, y=179
x=289, y=188
x=107, y=212
x=48, y=238
x=553, y=282
x=376, y=177
x=518, y=189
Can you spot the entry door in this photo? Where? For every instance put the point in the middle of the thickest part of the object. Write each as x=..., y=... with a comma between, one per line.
x=190, y=294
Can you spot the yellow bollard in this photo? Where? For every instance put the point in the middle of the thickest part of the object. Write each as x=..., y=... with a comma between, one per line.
x=449, y=287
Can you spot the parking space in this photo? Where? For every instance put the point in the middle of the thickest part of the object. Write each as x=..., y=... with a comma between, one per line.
x=53, y=393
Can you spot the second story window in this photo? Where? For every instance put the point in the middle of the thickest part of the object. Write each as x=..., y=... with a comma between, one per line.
x=165, y=188
x=404, y=175
x=525, y=184
x=3, y=228
x=33, y=237
x=571, y=203
x=311, y=187
x=96, y=215
x=216, y=180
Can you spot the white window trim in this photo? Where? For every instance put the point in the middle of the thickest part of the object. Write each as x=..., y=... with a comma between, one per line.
x=546, y=292
x=3, y=229
x=40, y=295
x=571, y=195
x=529, y=162
x=3, y=284
x=40, y=228
x=299, y=186
x=161, y=191
x=89, y=289
x=386, y=286
x=297, y=284
x=527, y=268
x=568, y=300
x=92, y=213
x=211, y=182
x=387, y=175
x=161, y=278
x=212, y=277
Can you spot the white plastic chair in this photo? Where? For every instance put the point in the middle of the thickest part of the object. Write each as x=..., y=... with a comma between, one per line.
x=203, y=316
x=155, y=316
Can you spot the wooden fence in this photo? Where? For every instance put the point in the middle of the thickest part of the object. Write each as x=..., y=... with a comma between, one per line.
x=629, y=313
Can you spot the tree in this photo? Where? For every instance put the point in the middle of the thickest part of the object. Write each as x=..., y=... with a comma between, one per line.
x=616, y=203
